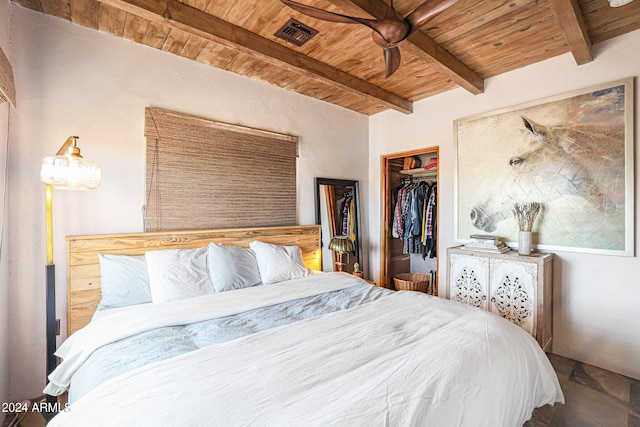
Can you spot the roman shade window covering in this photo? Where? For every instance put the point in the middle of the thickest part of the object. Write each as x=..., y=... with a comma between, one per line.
x=204, y=174
x=7, y=87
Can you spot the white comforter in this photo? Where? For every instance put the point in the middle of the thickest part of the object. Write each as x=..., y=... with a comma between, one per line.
x=403, y=360
x=113, y=325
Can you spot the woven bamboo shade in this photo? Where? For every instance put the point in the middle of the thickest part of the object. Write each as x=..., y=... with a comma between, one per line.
x=7, y=87
x=205, y=174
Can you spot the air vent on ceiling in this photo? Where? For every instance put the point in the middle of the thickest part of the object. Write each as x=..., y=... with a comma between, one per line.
x=295, y=32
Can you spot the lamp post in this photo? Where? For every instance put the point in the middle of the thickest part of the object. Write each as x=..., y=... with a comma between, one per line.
x=66, y=170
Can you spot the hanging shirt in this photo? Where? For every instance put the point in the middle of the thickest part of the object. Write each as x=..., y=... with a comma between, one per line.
x=397, y=231
x=416, y=209
x=352, y=220
x=430, y=243
x=346, y=209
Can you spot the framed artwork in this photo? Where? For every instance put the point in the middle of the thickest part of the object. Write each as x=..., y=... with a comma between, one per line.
x=573, y=153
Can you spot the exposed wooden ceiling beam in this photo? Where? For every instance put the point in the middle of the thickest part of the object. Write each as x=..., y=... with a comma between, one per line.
x=572, y=24
x=197, y=22
x=422, y=46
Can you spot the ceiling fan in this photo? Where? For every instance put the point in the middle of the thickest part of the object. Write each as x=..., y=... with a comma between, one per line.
x=389, y=30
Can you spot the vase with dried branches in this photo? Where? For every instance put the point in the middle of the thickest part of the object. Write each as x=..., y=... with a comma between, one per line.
x=525, y=214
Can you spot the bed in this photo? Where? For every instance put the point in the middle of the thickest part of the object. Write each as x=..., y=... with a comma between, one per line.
x=237, y=327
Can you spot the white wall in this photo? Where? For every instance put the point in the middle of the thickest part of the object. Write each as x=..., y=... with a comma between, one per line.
x=5, y=18
x=596, y=314
x=75, y=81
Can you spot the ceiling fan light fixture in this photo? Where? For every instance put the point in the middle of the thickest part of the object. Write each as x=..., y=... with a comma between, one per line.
x=389, y=30
x=618, y=3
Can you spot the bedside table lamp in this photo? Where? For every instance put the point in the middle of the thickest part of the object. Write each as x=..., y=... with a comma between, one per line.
x=66, y=170
x=341, y=245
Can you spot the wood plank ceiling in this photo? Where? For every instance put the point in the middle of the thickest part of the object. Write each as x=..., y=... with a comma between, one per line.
x=466, y=44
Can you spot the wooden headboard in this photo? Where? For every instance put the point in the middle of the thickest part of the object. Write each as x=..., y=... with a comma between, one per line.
x=83, y=267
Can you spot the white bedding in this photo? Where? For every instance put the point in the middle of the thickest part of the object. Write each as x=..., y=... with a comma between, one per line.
x=406, y=359
x=113, y=325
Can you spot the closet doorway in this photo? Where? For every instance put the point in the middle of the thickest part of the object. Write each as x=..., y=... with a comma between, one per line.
x=410, y=253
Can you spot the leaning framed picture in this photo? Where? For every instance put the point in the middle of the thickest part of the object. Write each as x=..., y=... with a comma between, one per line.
x=572, y=153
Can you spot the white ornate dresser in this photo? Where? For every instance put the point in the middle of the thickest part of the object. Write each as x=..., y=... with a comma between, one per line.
x=516, y=287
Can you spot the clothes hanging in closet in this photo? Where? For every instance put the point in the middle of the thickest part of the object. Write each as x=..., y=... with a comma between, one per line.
x=348, y=216
x=414, y=217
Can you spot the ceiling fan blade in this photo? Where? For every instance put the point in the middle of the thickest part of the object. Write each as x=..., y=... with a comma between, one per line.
x=391, y=61
x=426, y=11
x=322, y=14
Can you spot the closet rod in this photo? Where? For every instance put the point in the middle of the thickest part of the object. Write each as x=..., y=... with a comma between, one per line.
x=419, y=178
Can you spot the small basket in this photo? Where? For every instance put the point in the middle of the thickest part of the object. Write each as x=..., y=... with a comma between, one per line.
x=411, y=282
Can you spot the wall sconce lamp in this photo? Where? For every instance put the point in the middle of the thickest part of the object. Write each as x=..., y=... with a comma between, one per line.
x=341, y=245
x=66, y=170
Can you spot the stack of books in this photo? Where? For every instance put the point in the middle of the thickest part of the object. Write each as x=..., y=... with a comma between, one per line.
x=486, y=243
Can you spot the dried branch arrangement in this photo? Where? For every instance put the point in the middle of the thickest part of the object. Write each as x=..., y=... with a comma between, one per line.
x=525, y=214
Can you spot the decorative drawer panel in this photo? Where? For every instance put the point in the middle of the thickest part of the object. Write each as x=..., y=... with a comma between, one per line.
x=470, y=280
x=514, y=292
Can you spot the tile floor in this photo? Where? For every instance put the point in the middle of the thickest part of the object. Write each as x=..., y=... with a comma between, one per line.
x=594, y=397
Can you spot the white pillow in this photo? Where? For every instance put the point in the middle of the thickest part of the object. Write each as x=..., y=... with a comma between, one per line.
x=279, y=263
x=232, y=267
x=178, y=273
x=124, y=281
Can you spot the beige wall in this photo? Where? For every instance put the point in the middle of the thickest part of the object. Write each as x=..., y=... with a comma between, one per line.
x=596, y=311
x=72, y=80
x=4, y=247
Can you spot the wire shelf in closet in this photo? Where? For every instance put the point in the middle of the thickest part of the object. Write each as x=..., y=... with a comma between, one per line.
x=421, y=172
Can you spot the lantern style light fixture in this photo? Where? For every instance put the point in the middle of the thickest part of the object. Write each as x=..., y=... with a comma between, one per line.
x=70, y=171
x=341, y=245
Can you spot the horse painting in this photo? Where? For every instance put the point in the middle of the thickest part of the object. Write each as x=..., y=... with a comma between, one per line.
x=568, y=154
